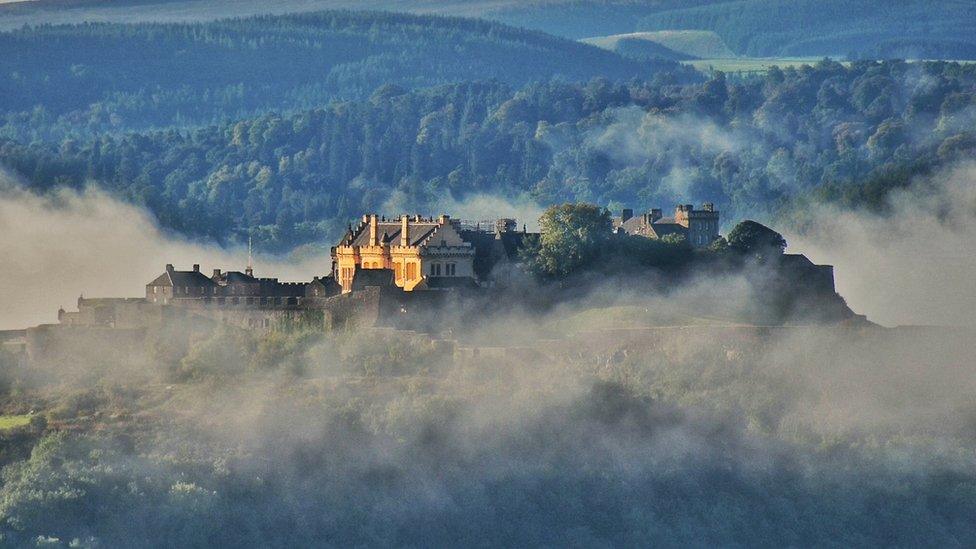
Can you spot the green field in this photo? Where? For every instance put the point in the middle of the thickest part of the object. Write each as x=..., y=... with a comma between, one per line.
x=695, y=43
x=12, y=422
x=750, y=64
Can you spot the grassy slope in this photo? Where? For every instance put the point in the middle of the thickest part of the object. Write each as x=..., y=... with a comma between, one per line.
x=701, y=44
x=819, y=27
x=13, y=421
x=306, y=59
x=749, y=27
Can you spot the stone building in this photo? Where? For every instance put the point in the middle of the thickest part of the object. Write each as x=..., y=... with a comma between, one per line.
x=423, y=253
x=698, y=227
x=173, y=285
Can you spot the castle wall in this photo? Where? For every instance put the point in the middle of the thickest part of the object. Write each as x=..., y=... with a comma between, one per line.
x=53, y=344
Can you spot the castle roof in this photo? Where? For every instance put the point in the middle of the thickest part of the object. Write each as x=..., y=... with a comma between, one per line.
x=364, y=278
x=659, y=228
x=419, y=231
x=176, y=278
x=237, y=277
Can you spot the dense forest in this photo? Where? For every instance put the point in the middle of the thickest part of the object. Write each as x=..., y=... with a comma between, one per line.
x=753, y=146
x=869, y=29
x=90, y=78
x=303, y=439
x=873, y=28
x=865, y=29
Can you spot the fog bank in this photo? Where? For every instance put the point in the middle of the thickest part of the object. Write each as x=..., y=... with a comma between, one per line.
x=58, y=247
x=915, y=265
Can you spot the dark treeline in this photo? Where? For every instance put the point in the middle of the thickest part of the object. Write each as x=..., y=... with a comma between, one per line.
x=913, y=28
x=877, y=29
x=363, y=439
x=850, y=134
x=75, y=80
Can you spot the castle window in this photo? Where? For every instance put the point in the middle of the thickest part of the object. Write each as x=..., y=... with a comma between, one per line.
x=451, y=269
x=398, y=271
x=411, y=271
x=435, y=269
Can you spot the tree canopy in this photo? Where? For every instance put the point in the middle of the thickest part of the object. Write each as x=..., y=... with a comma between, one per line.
x=750, y=237
x=573, y=236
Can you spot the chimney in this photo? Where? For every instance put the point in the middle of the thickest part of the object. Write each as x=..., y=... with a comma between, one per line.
x=169, y=268
x=708, y=207
x=216, y=274
x=656, y=214
x=196, y=267
x=443, y=219
x=405, y=230
x=373, y=226
x=626, y=214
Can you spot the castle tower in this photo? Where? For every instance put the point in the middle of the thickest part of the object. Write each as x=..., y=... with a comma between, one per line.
x=702, y=224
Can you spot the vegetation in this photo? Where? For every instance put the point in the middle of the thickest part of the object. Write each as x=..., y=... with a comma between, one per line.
x=96, y=78
x=693, y=44
x=765, y=28
x=749, y=237
x=384, y=440
x=738, y=66
x=873, y=28
x=847, y=134
x=14, y=421
x=573, y=236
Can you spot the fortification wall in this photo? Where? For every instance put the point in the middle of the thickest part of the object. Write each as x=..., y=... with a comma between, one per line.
x=54, y=344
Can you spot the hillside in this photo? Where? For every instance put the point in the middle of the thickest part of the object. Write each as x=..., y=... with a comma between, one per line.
x=688, y=44
x=751, y=146
x=872, y=28
x=115, y=77
x=765, y=28
x=215, y=436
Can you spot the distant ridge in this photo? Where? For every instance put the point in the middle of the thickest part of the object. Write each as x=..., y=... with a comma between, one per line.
x=684, y=44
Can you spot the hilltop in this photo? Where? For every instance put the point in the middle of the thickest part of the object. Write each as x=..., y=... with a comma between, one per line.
x=121, y=77
x=761, y=28
x=687, y=44
x=874, y=28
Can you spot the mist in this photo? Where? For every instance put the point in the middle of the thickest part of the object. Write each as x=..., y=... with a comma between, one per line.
x=621, y=418
x=914, y=264
x=60, y=246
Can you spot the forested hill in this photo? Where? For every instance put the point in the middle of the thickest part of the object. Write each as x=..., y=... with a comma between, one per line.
x=110, y=77
x=848, y=133
x=877, y=29
x=919, y=29
x=865, y=28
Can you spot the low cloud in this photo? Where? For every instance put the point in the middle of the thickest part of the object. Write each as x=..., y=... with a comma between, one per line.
x=60, y=246
x=913, y=265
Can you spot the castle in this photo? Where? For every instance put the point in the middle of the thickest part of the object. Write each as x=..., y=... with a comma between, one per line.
x=382, y=268
x=698, y=227
x=418, y=253
x=407, y=273
x=409, y=254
